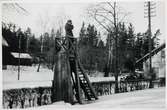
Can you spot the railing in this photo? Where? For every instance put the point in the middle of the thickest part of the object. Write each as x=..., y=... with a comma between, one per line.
x=108, y=87
x=104, y=87
x=32, y=97
x=67, y=43
x=26, y=97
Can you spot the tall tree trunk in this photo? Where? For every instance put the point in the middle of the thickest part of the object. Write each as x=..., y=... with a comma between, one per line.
x=39, y=64
x=116, y=49
x=116, y=67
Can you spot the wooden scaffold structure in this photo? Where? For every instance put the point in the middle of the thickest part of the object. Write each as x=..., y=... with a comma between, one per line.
x=70, y=78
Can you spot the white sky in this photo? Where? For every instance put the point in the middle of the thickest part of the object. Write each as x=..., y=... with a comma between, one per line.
x=55, y=14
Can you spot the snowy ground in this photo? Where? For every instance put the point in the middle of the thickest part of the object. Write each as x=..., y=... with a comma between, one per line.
x=153, y=99
x=27, y=73
x=150, y=98
x=29, y=77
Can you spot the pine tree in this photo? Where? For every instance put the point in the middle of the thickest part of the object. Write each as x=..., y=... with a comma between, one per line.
x=91, y=49
x=82, y=36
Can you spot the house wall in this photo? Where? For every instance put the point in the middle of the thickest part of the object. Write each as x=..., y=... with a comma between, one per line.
x=158, y=65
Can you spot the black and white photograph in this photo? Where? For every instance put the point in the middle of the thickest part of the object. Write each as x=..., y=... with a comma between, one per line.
x=83, y=54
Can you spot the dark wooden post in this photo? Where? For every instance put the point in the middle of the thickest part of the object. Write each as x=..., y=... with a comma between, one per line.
x=78, y=84
x=62, y=85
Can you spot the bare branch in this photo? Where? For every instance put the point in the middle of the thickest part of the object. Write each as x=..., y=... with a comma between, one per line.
x=101, y=23
x=105, y=18
x=113, y=7
x=124, y=17
x=23, y=9
x=108, y=11
x=106, y=15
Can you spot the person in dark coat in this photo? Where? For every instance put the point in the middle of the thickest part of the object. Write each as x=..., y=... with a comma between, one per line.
x=68, y=28
x=69, y=34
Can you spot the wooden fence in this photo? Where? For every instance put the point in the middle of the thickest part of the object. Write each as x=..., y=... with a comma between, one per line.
x=26, y=97
x=32, y=97
x=108, y=87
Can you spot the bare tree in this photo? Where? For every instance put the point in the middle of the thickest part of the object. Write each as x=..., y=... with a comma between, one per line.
x=48, y=22
x=44, y=26
x=108, y=15
x=10, y=9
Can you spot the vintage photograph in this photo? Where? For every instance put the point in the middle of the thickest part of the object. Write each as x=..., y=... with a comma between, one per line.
x=85, y=55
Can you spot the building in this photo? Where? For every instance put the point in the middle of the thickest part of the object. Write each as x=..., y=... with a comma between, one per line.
x=12, y=58
x=158, y=62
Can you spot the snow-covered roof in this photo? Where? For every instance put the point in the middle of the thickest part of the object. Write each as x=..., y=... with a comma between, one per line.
x=4, y=42
x=22, y=55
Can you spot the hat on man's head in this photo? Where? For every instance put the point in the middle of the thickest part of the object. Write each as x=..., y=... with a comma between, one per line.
x=69, y=21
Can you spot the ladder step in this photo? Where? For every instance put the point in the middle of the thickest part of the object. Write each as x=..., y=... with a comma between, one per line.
x=84, y=82
x=81, y=75
x=78, y=69
x=81, y=78
x=90, y=95
x=89, y=92
x=87, y=89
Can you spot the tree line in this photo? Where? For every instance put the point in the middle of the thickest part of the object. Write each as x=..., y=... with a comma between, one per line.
x=131, y=46
x=93, y=51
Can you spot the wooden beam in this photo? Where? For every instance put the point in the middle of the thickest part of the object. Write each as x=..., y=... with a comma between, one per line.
x=62, y=84
x=153, y=52
x=78, y=83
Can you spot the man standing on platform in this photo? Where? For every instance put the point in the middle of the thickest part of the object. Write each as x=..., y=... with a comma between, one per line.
x=68, y=28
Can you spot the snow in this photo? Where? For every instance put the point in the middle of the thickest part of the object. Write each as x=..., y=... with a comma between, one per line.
x=153, y=99
x=27, y=73
x=29, y=77
x=22, y=55
x=4, y=42
x=101, y=79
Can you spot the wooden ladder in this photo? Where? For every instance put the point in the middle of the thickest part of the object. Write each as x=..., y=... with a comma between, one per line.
x=80, y=78
x=85, y=83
